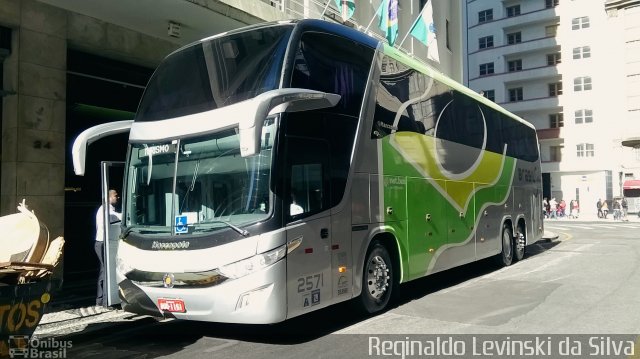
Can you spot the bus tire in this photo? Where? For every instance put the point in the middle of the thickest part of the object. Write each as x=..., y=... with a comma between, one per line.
x=505, y=258
x=377, y=279
x=520, y=241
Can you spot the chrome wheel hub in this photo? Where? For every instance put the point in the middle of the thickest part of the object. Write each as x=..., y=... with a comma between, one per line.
x=520, y=242
x=377, y=277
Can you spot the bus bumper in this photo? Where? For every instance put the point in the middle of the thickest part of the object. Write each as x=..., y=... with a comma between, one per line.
x=258, y=298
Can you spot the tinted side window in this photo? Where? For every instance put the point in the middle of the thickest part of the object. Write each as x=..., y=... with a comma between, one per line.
x=399, y=84
x=338, y=133
x=341, y=132
x=215, y=73
x=333, y=64
x=308, y=187
x=521, y=140
x=462, y=121
x=460, y=118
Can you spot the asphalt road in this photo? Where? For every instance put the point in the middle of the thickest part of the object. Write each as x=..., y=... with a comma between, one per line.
x=586, y=282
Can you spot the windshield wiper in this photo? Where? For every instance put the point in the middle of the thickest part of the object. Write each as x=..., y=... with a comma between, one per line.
x=243, y=232
x=126, y=231
x=141, y=230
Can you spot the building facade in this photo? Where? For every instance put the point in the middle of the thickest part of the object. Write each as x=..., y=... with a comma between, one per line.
x=68, y=65
x=550, y=62
x=624, y=21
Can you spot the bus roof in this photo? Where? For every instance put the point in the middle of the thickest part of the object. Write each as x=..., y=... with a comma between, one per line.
x=304, y=24
x=362, y=38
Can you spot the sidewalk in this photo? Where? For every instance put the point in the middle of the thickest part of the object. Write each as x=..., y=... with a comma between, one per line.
x=593, y=217
x=81, y=320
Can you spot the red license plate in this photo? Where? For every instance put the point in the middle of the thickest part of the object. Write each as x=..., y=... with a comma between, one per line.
x=172, y=305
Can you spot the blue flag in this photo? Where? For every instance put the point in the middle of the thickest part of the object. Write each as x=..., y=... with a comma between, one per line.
x=346, y=8
x=388, y=13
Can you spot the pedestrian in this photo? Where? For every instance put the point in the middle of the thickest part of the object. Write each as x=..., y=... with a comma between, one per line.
x=625, y=207
x=616, y=209
x=114, y=217
x=553, y=207
x=562, y=208
x=575, y=209
x=545, y=206
x=599, y=206
x=605, y=209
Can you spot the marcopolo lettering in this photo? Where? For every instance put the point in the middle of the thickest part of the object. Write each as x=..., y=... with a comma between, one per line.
x=169, y=245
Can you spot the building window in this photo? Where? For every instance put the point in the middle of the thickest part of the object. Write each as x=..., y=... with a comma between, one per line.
x=514, y=38
x=555, y=153
x=485, y=42
x=486, y=69
x=513, y=10
x=582, y=83
x=556, y=120
x=489, y=94
x=514, y=65
x=580, y=23
x=581, y=52
x=584, y=116
x=485, y=15
x=585, y=150
x=515, y=94
x=551, y=3
x=554, y=59
x=555, y=89
x=551, y=30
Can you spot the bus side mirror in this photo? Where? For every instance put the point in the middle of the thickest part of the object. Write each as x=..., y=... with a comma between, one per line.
x=92, y=134
x=279, y=101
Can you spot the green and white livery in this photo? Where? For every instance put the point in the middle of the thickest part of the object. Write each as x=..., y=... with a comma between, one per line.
x=285, y=167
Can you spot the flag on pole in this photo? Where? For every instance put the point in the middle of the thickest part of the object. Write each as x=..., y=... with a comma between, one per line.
x=388, y=12
x=346, y=8
x=424, y=30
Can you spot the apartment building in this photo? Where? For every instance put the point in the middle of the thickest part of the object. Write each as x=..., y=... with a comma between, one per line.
x=624, y=22
x=554, y=63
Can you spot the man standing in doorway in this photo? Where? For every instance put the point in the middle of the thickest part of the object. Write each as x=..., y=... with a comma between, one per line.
x=99, y=246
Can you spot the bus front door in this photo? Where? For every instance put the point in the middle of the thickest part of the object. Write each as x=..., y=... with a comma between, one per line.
x=112, y=174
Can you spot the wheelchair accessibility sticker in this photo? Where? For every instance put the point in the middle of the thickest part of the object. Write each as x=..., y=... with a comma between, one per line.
x=181, y=225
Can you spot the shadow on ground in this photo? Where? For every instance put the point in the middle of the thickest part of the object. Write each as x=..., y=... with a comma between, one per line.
x=151, y=338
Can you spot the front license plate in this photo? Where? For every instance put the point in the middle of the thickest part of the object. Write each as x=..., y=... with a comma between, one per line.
x=172, y=305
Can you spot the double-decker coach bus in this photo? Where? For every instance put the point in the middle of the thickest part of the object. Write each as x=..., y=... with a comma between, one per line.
x=281, y=168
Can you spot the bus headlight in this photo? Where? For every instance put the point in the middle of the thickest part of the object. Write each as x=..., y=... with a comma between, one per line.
x=253, y=264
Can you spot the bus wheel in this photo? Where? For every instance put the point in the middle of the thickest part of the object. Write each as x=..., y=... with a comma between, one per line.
x=520, y=242
x=377, y=279
x=506, y=257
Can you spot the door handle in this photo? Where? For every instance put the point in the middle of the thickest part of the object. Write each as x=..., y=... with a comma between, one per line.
x=72, y=189
x=324, y=233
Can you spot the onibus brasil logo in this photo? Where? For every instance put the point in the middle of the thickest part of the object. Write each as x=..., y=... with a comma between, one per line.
x=21, y=346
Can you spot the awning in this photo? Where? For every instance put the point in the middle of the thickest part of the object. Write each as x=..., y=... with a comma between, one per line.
x=631, y=184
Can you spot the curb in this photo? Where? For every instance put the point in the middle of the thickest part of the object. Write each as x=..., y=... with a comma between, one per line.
x=81, y=321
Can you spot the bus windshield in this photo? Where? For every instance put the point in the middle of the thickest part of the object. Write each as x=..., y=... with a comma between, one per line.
x=198, y=184
x=215, y=73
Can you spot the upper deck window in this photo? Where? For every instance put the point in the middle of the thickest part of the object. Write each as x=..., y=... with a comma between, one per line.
x=331, y=63
x=215, y=73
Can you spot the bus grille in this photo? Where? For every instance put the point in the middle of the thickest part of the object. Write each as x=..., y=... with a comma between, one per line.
x=180, y=280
